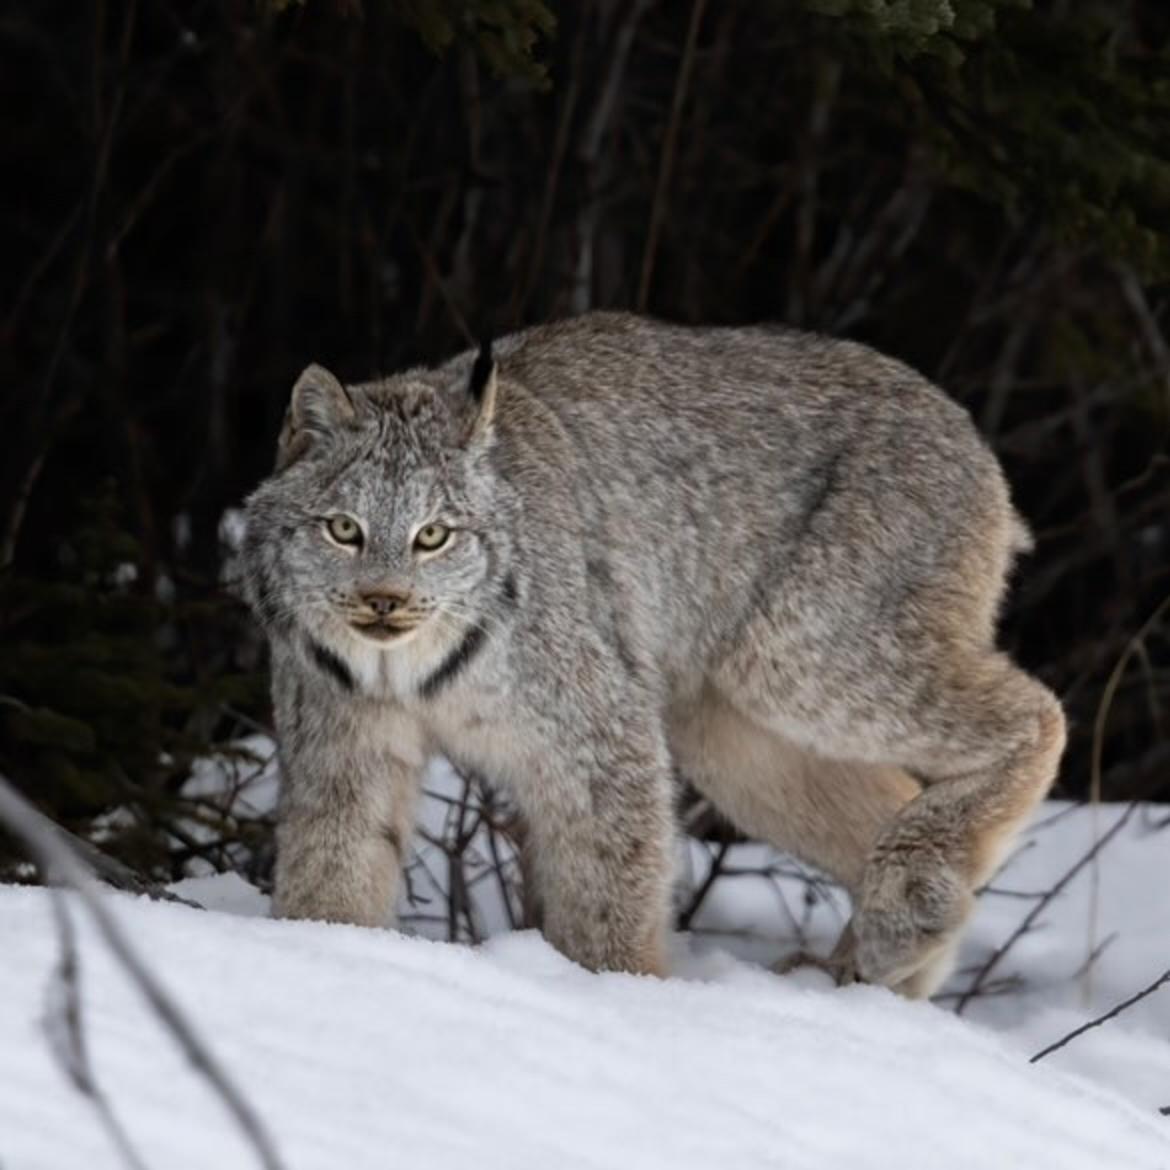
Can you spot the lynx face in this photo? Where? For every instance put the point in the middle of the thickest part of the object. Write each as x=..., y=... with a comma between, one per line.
x=379, y=518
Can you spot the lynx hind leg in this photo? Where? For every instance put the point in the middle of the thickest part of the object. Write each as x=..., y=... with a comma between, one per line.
x=984, y=738
x=827, y=812
x=989, y=745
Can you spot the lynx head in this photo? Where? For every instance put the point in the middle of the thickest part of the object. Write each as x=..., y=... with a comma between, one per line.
x=378, y=518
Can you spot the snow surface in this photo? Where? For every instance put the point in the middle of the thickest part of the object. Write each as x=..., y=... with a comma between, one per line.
x=364, y=1048
x=1042, y=990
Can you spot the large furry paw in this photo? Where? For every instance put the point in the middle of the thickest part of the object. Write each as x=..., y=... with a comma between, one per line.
x=905, y=927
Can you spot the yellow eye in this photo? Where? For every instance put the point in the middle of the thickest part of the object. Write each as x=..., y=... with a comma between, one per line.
x=432, y=536
x=344, y=529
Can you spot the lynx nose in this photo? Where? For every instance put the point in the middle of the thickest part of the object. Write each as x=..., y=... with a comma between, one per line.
x=382, y=602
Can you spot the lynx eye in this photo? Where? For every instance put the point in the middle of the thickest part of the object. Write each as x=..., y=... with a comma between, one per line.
x=344, y=529
x=431, y=537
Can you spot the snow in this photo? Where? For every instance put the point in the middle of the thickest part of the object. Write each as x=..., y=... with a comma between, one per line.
x=1039, y=992
x=364, y=1048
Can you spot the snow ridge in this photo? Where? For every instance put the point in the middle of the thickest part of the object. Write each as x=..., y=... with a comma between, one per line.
x=372, y=1049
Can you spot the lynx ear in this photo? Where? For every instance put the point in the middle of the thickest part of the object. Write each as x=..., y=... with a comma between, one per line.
x=320, y=402
x=481, y=388
x=318, y=406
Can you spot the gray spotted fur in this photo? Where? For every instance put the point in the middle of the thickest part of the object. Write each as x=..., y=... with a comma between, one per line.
x=769, y=559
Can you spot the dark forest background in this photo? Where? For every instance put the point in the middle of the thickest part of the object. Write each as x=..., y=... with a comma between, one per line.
x=202, y=196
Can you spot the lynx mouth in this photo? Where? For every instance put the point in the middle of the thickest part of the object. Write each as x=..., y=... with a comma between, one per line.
x=383, y=631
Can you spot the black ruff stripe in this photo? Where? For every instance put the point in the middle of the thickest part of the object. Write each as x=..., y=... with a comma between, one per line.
x=467, y=649
x=331, y=665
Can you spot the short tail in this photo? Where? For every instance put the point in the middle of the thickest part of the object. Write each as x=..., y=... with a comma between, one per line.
x=1022, y=539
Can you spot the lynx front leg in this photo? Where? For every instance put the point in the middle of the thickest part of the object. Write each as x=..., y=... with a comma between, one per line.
x=350, y=780
x=602, y=839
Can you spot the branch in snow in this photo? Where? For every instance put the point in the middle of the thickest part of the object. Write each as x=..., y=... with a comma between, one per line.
x=114, y=873
x=1029, y=919
x=66, y=1032
x=714, y=873
x=60, y=864
x=1111, y=1014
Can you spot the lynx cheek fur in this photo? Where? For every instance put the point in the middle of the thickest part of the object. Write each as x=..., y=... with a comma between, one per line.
x=770, y=560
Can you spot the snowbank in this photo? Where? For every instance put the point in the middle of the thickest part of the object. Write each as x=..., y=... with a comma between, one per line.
x=371, y=1049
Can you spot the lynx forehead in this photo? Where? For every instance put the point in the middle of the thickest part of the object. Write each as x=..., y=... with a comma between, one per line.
x=619, y=549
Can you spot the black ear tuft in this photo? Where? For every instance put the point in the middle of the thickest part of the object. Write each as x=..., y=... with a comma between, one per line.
x=481, y=372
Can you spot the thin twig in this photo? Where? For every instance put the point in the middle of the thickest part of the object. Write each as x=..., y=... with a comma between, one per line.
x=523, y=290
x=714, y=872
x=60, y=864
x=436, y=278
x=114, y=873
x=1135, y=297
x=1029, y=919
x=669, y=144
x=65, y=1030
x=492, y=831
x=589, y=152
x=1111, y=1014
x=1099, y=723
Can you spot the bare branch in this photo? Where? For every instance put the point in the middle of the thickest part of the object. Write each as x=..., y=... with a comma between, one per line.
x=1029, y=919
x=66, y=1032
x=1111, y=1014
x=523, y=290
x=714, y=872
x=666, y=165
x=1099, y=724
x=114, y=873
x=590, y=155
x=60, y=864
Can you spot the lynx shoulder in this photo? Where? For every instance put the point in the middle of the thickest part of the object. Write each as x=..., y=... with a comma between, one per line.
x=614, y=548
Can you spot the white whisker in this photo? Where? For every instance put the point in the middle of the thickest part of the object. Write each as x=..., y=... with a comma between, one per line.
x=464, y=619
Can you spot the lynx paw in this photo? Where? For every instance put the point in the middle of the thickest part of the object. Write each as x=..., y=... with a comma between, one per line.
x=906, y=924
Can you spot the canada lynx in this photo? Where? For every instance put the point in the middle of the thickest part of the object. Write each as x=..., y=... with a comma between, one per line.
x=770, y=560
